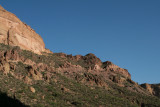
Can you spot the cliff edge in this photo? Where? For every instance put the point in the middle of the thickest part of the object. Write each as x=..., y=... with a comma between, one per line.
x=16, y=33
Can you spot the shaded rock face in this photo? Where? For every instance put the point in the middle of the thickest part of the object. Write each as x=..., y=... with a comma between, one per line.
x=152, y=88
x=148, y=87
x=95, y=78
x=92, y=59
x=34, y=73
x=114, y=68
x=4, y=66
x=16, y=33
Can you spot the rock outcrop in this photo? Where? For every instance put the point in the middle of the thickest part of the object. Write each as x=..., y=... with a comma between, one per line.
x=154, y=89
x=114, y=68
x=16, y=33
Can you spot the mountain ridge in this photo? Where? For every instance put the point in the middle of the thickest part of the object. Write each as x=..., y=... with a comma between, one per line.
x=37, y=77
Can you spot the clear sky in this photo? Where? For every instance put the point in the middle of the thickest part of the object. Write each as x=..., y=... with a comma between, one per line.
x=126, y=32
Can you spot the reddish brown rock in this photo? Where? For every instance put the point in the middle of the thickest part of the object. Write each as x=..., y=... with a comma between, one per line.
x=109, y=66
x=27, y=80
x=12, y=66
x=47, y=76
x=12, y=54
x=154, y=89
x=78, y=57
x=32, y=90
x=95, y=79
x=6, y=68
x=34, y=73
x=63, y=55
x=29, y=62
x=91, y=59
x=43, y=67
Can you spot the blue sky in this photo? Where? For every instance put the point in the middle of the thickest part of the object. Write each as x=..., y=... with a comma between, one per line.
x=126, y=32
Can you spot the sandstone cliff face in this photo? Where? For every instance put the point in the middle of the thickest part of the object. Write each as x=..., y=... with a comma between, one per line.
x=16, y=33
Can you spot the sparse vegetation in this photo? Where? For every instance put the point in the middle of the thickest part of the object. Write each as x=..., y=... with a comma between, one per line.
x=62, y=90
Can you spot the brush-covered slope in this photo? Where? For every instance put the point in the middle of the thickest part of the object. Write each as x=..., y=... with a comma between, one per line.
x=64, y=80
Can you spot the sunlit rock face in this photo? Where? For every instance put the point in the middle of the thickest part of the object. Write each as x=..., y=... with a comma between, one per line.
x=15, y=32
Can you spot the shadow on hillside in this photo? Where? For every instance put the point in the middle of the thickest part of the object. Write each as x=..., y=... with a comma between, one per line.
x=6, y=101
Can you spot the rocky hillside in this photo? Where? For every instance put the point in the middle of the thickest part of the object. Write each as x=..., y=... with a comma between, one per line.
x=57, y=79
x=30, y=76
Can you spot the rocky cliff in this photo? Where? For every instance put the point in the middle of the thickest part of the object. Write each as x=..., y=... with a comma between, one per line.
x=16, y=33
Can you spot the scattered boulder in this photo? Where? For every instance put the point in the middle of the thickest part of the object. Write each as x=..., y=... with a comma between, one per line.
x=115, y=79
x=34, y=73
x=47, y=76
x=32, y=90
x=29, y=62
x=95, y=79
x=43, y=97
x=6, y=68
x=12, y=66
x=43, y=67
x=27, y=80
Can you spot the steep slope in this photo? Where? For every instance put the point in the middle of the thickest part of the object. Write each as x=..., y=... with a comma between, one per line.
x=16, y=33
x=64, y=80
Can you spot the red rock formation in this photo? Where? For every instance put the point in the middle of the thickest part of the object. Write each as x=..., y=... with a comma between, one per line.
x=114, y=68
